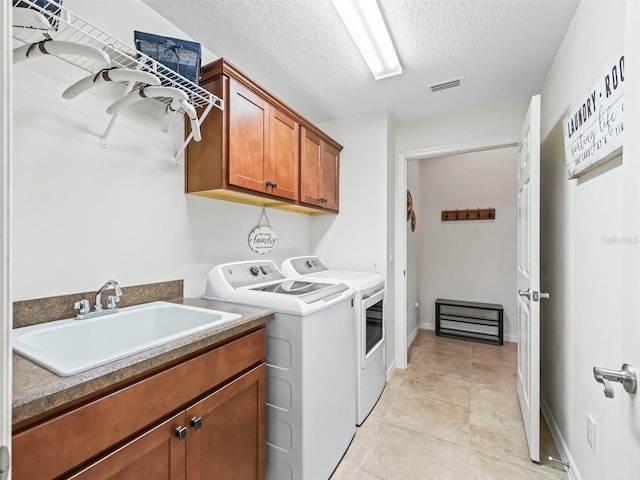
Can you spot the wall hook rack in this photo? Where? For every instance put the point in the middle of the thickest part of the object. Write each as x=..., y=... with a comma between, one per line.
x=468, y=214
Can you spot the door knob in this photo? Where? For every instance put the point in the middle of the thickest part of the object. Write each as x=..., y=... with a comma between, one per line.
x=525, y=293
x=626, y=376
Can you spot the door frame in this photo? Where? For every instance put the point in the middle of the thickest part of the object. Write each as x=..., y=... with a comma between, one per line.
x=630, y=327
x=5, y=293
x=400, y=230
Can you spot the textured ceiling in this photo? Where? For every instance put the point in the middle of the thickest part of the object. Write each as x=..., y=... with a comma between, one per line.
x=301, y=52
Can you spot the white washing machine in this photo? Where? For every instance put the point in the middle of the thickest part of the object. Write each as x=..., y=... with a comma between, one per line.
x=369, y=290
x=310, y=365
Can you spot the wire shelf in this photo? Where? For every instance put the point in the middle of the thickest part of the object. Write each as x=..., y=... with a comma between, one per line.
x=67, y=26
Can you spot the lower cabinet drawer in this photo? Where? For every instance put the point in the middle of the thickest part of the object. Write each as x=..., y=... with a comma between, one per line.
x=64, y=442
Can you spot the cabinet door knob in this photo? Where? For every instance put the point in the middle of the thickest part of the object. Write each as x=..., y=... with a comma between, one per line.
x=269, y=184
x=274, y=185
x=196, y=423
x=181, y=433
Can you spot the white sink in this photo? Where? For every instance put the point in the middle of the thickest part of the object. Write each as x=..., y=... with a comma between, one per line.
x=71, y=346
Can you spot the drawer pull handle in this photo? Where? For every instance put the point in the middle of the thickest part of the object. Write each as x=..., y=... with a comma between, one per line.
x=181, y=433
x=196, y=423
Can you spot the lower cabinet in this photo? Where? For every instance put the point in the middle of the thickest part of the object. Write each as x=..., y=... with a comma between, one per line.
x=156, y=454
x=226, y=438
x=203, y=418
x=221, y=437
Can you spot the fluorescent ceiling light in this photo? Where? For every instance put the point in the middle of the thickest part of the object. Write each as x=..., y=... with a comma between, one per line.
x=366, y=26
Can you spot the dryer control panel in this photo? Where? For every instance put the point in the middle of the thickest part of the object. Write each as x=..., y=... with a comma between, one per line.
x=306, y=265
x=251, y=273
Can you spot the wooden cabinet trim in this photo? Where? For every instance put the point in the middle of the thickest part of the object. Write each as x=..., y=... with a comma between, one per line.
x=223, y=67
x=55, y=446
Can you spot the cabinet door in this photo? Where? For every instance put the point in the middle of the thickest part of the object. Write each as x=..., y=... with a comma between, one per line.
x=226, y=437
x=156, y=454
x=310, y=154
x=248, y=137
x=330, y=177
x=282, y=171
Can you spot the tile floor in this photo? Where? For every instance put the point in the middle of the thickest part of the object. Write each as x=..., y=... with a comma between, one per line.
x=453, y=414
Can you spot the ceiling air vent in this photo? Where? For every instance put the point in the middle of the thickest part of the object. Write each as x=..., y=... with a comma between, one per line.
x=454, y=82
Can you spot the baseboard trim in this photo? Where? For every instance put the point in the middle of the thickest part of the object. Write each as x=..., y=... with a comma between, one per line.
x=510, y=338
x=563, y=448
x=413, y=335
x=391, y=368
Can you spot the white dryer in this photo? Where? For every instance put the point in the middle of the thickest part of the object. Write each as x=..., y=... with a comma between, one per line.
x=369, y=291
x=310, y=365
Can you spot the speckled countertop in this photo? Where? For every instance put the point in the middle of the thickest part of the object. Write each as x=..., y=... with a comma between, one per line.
x=37, y=390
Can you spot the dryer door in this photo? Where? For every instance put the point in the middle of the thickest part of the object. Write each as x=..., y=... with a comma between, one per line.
x=373, y=323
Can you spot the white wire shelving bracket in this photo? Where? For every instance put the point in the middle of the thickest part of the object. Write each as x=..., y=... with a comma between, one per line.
x=69, y=27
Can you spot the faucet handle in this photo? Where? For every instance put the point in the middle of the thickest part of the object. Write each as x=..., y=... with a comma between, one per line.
x=112, y=301
x=82, y=306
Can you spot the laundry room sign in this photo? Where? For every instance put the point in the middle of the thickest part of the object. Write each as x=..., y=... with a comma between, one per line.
x=262, y=239
x=593, y=129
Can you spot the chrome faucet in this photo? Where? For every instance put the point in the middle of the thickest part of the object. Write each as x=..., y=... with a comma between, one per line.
x=84, y=310
x=112, y=300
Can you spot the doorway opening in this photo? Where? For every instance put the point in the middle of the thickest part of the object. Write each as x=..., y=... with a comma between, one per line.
x=400, y=278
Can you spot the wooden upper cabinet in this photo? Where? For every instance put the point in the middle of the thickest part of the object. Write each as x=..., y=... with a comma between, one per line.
x=248, y=137
x=330, y=177
x=319, y=172
x=251, y=152
x=282, y=166
x=310, y=158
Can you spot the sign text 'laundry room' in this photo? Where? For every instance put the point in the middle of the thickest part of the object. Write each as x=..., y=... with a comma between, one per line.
x=593, y=129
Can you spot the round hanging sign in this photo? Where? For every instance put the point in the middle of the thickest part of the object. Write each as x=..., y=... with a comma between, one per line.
x=262, y=239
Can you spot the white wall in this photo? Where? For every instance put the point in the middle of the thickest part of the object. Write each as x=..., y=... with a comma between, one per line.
x=489, y=121
x=356, y=239
x=5, y=158
x=390, y=347
x=580, y=324
x=470, y=260
x=415, y=247
x=83, y=214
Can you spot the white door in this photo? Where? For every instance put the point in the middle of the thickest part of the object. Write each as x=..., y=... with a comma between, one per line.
x=627, y=465
x=529, y=276
x=5, y=311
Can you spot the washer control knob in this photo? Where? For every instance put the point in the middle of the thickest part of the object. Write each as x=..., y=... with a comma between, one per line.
x=254, y=271
x=309, y=264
